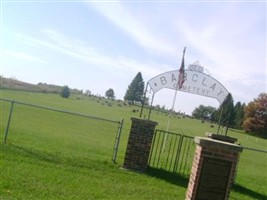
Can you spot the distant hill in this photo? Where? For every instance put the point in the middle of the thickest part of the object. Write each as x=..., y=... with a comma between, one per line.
x=14, y=84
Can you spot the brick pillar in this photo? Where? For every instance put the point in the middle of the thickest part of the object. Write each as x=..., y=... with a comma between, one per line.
x=139, y=143
x=214, y=168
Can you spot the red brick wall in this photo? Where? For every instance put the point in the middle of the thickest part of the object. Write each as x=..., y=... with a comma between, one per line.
x=139, y=144
x=217, y=150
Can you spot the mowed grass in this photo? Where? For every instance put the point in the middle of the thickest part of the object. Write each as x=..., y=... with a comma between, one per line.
x=51, y=155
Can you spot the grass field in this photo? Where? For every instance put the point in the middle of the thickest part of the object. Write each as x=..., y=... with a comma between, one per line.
x=52, y=155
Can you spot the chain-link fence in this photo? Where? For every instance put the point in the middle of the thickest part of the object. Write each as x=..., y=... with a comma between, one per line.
x=251, y=177
x=53, y=133
x=59, y=132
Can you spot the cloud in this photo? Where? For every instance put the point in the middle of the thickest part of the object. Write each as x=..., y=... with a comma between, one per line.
x=76, y=48
x=23, y=56
x=133, y=25
x=222, y=41
x=233, y=48
x=225, y=39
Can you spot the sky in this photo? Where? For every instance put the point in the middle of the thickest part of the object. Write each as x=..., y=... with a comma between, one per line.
x=97, y=45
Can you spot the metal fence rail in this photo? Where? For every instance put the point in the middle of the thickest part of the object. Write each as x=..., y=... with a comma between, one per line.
x=57, y=129
x=172, y=152
x=251, y=162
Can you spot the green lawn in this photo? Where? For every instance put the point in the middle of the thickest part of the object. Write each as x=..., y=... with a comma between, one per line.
x=51, y=155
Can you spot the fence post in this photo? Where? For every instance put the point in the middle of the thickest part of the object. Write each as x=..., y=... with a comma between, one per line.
x=117, y=141
x=9, y=120
x=179, y=149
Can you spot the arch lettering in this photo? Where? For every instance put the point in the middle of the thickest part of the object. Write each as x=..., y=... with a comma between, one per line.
x=196, y=82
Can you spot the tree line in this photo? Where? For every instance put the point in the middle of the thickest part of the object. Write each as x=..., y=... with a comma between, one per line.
x=252, y=118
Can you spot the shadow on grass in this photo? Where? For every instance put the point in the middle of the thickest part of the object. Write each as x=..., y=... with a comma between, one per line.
x=183, y=182
x=168, y=176
x=57, y=158
x=245, y=191
x=34, y=154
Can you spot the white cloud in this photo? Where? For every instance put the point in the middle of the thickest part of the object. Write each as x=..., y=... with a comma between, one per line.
x=233, y=48
x=224, y=39
x=22, y=55
x=78, y=49
x=134, y=26
x=220, y=41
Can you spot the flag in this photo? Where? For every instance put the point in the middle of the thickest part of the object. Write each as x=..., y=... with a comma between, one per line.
x=180, y=82
x=181, y=78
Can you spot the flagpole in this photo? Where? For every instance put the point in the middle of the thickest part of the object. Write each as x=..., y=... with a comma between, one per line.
x=172, y=109
x=179, y=85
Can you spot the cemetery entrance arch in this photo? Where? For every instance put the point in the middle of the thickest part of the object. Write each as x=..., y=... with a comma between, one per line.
x=196, y=82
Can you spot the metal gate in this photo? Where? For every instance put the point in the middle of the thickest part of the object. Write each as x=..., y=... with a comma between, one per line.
x=172, y=152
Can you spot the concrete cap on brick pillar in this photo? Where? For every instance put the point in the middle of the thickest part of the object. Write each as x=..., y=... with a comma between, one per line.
x=147, y=121
x=201, y=141
x=224, y=138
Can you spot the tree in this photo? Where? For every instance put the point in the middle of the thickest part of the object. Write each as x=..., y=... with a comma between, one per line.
x=239, y=115
x=135, y=90
x=255, y=119
x=87, y=93
x=204, y=112
x=225, y=112
x=65, y=92
x=110, y=93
